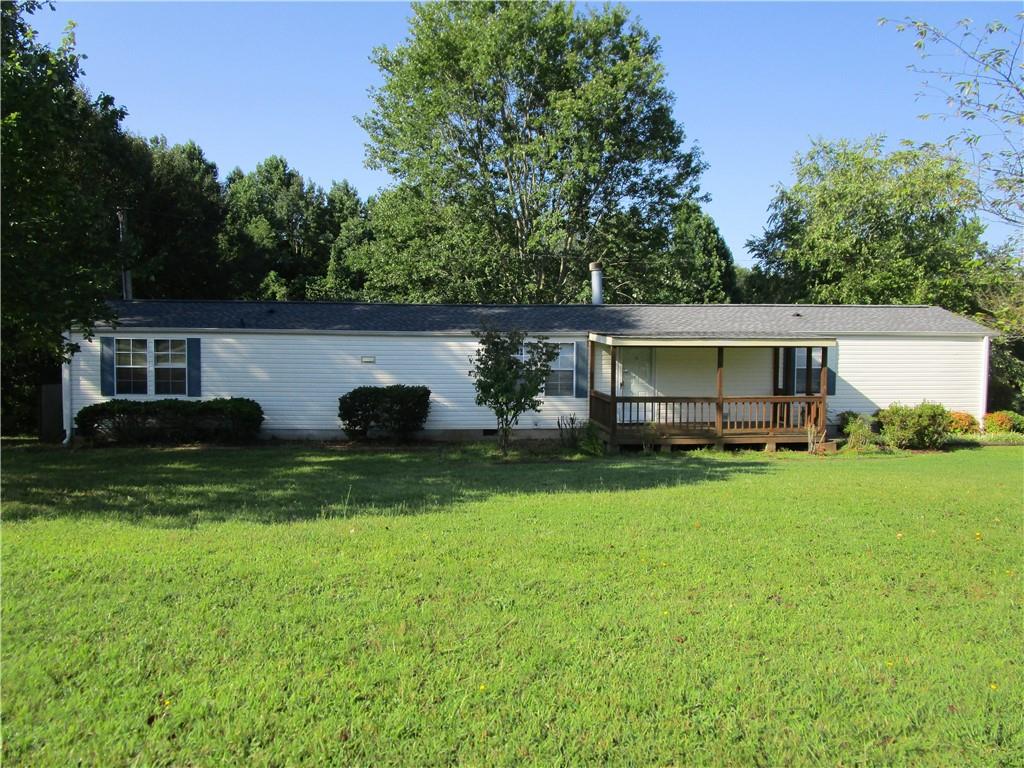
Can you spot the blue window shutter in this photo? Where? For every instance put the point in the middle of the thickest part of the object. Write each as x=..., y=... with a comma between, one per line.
x=195, y=369
x=582, y=369
x=107, y=372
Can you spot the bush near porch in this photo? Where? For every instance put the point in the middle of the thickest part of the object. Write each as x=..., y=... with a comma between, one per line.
x=305, y=605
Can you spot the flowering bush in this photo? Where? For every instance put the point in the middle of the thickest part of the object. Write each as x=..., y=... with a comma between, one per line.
x=961, y=423
x=1004, y=421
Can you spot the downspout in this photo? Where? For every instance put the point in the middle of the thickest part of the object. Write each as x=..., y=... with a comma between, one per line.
x=983, y=404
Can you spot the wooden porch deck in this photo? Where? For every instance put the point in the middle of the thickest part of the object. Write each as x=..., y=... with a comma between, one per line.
x=719, y=420
x=707, y=420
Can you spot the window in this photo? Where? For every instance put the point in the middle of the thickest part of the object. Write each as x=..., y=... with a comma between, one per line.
x=561, y=382
x=801, y=370
x=130, y=366
x=169, y=367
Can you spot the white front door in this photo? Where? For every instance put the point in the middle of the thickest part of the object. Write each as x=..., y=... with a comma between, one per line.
x=637, y=375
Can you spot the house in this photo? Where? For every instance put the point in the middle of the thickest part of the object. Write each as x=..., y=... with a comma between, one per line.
x=696, y=374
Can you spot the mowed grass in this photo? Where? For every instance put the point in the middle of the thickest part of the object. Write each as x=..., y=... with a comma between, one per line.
x=302, y=605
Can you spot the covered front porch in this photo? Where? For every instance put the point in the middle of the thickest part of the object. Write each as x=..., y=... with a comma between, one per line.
x=680, y=391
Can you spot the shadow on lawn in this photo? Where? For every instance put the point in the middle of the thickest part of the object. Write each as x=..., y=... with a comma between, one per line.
x=283, y=483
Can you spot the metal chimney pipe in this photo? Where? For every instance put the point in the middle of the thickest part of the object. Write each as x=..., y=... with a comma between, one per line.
x=596, y=283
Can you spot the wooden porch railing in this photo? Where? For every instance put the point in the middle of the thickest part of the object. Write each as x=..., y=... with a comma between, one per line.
x=767, y=415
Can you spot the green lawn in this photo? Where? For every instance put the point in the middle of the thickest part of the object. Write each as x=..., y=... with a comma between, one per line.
x=299, y=605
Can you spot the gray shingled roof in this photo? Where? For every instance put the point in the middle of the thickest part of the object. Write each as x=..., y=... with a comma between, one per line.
x=646, y=320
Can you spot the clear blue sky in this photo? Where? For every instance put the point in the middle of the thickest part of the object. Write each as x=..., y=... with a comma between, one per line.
x=754, y=82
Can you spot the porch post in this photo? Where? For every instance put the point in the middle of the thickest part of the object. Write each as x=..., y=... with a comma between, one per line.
x=823, y=387
x=615, y=407
x=590, y=368
x=718, y=386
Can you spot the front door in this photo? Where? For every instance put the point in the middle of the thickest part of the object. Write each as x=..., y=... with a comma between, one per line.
x=637, y=374
x=636, y=379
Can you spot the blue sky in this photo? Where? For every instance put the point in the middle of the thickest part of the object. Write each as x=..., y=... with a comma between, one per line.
x=754, y=82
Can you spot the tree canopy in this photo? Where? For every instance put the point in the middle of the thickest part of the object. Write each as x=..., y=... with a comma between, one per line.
x=977, y=72
x=527, y=128
x=860, y=225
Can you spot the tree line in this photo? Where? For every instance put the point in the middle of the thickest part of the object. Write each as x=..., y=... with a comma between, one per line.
x=525, y=140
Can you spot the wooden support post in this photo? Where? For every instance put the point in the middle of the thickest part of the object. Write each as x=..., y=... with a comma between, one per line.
x=590, y=367
x=823, y=388
x=718, y=385
x=614, y=421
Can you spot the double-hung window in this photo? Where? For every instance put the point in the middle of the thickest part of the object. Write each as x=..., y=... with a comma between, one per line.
x=801, y=370
x=561, y=380
x=130, y=366
x=169, y=359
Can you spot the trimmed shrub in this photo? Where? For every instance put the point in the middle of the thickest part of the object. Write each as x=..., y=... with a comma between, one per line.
x=961, y=423
x=1004, y=421
x=923, y=426
x=223, y=420
x=859, y=433
x=404, y=409
x=399, y=410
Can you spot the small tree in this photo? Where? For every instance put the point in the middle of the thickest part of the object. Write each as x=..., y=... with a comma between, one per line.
x=509, y=372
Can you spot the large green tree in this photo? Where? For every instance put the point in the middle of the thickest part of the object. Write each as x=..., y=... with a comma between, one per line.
x=67, y=168
x=174, y=226
x=281, y=230
x=523, y=137
x=860, y=225
x=700, y=265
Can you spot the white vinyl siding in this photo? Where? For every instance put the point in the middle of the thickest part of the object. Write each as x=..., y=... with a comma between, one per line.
x=297, y=378
x=876, y=371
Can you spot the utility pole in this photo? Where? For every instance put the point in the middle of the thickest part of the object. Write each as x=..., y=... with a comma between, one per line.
x=126, y=274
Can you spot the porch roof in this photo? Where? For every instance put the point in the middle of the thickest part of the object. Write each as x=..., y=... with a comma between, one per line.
x=748, y=341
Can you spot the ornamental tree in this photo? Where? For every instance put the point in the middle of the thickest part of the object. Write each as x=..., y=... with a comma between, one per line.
x=509, y=372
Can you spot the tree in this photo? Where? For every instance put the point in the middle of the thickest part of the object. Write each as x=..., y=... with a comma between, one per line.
x=509, y=373
x=176, y=221
x=276, y=234
x=862, y=226
x=527, y=128
x=982, y=86
x=999, y=298
x=702, y=269
x=67, y=168
x=348, y=220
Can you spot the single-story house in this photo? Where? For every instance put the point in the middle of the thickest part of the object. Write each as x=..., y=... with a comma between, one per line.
x=695, y=373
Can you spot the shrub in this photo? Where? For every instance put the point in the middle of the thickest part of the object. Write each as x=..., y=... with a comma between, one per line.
x=961, y=423
x=404, y=409
x=923, y=426
x=859, y=434
x=1004, y=421
x=570, y=431
x=223, y=420
x=591, y=442
x=399, y=410
x=844, y=418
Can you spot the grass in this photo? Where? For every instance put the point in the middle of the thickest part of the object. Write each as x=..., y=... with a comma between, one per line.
x=299, y=605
